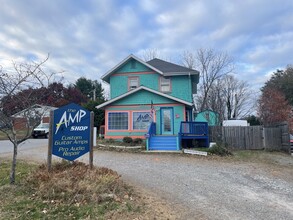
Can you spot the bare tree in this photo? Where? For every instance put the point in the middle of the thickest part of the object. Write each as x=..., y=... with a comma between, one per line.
x=189, y=59
x=150, y=54
x=237, y=97
x=12, y=84
x=231, y=98
x=215, y=101
x=212, y=66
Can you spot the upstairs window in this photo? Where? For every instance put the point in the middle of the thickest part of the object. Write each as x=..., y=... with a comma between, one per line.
x=165, y=84
x=133, y=82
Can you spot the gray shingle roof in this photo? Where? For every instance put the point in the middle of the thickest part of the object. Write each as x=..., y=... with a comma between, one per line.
x=160, y=66
x=170, y=68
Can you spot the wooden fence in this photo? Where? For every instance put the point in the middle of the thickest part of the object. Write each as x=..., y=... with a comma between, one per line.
x=252, y=137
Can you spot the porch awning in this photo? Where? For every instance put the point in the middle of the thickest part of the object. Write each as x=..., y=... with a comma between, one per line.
x=146, y=89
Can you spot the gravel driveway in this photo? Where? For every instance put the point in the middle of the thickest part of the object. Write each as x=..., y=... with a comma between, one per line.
x=202, y=188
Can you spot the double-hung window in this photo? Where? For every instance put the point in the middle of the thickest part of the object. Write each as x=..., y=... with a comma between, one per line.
x=165, y=84
x=133, y=82
x=118, y=121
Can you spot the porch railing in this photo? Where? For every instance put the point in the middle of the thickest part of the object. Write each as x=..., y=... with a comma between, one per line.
x=151, y=132
x=194, y=130
x=152, y=129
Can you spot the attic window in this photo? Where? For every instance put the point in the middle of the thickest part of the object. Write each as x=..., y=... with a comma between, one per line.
x=165, y=84
x=207, y=116
x=133, y=82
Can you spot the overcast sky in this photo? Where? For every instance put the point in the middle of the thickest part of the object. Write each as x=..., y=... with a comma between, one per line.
x=87, y=38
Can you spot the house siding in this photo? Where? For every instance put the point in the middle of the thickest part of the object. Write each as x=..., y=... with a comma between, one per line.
x=128, y=67
x=22, y=123
x=119, y=82
x=139, y=102
x=143, y=97
x=211, y=117
x=182, y=87
x=178, y=110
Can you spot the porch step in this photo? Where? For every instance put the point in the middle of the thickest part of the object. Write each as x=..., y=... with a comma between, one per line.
x=163, y=143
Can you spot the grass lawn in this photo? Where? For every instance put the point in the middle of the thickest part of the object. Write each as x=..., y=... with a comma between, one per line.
x=2, y=136
x=19, y=134
x=265, y=157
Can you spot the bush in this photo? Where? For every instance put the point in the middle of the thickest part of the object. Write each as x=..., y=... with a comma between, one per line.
x=127, y=140
x=137, y=141
x=111, y=140
x=219, y=150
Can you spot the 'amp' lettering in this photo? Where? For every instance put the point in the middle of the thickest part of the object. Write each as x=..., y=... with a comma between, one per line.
x=78, y=128
x=67, y=119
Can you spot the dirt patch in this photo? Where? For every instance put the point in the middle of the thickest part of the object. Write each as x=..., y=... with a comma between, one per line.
x=154, y=208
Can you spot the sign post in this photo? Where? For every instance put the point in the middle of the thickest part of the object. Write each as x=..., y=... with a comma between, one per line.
x=50, y=141
x=91, y=154
x=71, y=133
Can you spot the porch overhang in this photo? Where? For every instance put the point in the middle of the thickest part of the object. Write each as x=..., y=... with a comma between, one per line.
x=146, y=89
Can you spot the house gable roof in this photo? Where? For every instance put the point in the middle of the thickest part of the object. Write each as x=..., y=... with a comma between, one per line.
x=160, y=66
x=146, y=89
x=106, y=76
x=208, y=110
x=43, y=109
x=169, y=69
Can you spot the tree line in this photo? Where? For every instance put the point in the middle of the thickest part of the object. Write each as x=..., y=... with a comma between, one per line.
x=222, y=91
x=276, y=100
x=219, y=89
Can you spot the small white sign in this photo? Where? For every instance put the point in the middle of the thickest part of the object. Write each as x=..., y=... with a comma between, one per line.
x=95, y=136
x=196, y=152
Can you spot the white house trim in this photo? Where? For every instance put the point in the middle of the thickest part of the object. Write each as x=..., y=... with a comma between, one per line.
x=107, y=74
x=147, y=89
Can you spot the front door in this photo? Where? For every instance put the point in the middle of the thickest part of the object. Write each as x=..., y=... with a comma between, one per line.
x=167, y=121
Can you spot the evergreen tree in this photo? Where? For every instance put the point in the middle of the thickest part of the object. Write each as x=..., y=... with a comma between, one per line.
x=90, y=88
x=99, y=114
x=282, y=80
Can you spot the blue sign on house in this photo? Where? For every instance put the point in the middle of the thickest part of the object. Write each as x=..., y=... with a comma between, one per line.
x=71, y=132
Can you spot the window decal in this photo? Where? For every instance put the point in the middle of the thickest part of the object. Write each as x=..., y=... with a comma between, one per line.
x=141, y=120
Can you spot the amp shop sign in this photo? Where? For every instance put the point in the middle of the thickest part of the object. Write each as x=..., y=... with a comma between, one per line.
x=71, y=135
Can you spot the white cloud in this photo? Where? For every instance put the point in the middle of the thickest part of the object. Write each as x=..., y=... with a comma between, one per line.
x=87, y=38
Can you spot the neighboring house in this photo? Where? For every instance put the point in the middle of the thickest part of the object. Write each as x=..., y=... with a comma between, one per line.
x=209, y=116
x=144, y=93
x=25, y=118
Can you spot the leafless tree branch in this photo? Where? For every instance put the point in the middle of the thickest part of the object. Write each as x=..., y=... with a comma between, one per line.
x=18, y=87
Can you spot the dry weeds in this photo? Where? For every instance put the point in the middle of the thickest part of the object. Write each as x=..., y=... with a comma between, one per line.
x=74, y=191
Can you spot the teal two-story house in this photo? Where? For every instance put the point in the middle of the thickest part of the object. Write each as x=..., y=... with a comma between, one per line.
x=149, y=100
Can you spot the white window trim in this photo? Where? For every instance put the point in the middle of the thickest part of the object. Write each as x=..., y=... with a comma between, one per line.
x=131, y=78
x=165, y=84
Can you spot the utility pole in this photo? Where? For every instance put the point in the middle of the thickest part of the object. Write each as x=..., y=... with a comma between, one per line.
x=94, y=91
